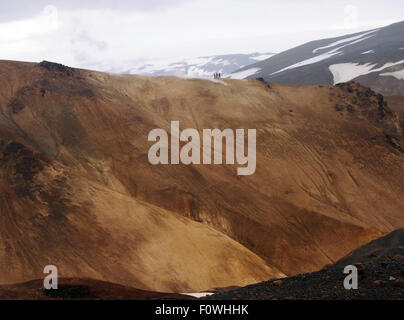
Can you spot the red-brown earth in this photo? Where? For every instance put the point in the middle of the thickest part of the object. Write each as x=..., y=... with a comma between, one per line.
x=77, y=190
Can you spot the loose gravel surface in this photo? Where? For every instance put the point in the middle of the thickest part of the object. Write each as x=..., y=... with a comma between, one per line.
x=381, y=279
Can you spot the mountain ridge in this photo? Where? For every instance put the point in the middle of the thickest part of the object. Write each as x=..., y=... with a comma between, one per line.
x=374, y=58
x=77, y=188
x=204, y=66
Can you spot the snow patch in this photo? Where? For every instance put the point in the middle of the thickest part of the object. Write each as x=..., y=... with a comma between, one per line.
x=322, y=56
x=336, y=43
x=244, y=74
x=263, y=57
x=218, y=81
x=367, y=52
x=198, y=294
x=344, y=72
x=315, y=59
x=396, y=74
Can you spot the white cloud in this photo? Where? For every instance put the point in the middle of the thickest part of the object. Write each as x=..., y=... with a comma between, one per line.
x=110, y=38
x=45, y=23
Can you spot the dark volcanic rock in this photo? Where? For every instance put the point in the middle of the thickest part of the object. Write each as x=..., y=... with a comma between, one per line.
x=379, y=277
x=52, y=66
x=16, y=106
x=267, y=85
x=327, y=284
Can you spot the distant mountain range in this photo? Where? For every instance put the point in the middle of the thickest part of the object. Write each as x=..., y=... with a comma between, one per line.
x=374, y=58
x=198, y=67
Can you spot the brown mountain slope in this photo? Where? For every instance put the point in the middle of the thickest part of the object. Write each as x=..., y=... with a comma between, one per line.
x=396, y=103
x=52, y=215
x=329, y=178
x=87, y=289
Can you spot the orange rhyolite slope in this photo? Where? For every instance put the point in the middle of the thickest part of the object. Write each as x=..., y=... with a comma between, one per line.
x=77, y=190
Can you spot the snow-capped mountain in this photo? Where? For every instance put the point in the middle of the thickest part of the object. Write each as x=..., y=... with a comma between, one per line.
x=374, y=58
x=198, y=67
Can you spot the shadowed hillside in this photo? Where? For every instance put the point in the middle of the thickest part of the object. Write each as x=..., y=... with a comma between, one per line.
x=390, y=246
x=77, y=190
x=81, y=289
x=380, y=267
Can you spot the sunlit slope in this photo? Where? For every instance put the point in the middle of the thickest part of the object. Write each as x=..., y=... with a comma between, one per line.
x=329, y=176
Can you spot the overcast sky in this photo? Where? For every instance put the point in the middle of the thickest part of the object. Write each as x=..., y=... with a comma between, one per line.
x=112, y=34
